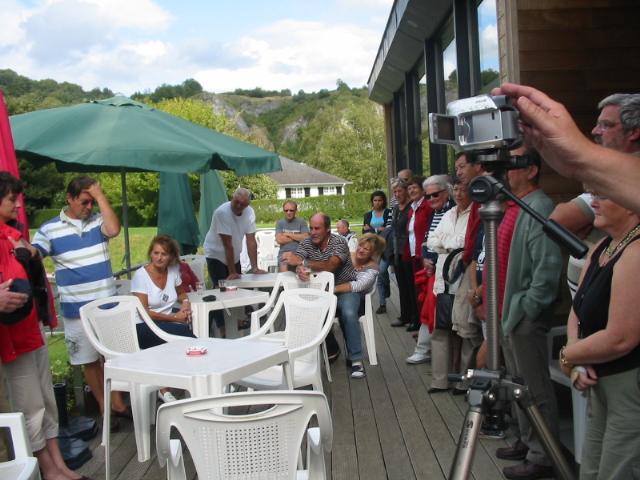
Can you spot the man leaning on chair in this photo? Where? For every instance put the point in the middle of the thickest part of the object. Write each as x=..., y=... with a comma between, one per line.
x=326, y=251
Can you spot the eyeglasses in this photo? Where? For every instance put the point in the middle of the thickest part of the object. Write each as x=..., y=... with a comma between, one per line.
x=606, y=125
x=429, y=196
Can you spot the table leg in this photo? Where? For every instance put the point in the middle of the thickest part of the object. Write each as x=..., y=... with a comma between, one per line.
x=106, y=427
x=288, y=375
x=141, y=420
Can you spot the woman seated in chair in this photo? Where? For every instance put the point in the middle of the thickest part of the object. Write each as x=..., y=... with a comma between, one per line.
x=159, y=287
x=364, y=259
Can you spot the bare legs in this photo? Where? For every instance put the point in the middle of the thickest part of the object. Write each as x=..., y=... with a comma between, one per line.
x=52, y=464
x=94, y=376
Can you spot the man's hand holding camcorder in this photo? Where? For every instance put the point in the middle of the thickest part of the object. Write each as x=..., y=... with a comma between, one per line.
x=549, y=128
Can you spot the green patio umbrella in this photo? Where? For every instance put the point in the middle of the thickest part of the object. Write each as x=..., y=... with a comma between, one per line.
x=122, y=135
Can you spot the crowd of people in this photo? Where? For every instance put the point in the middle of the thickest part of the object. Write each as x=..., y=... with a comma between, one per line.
x=429, y=234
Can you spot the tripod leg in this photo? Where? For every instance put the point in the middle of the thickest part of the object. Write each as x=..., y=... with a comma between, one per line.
x=549, y=442
x=466, y=449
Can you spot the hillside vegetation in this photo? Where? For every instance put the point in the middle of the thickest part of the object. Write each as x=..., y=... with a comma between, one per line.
x=339, y=131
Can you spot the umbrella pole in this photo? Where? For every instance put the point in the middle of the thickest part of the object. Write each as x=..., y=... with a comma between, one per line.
x=125, y=222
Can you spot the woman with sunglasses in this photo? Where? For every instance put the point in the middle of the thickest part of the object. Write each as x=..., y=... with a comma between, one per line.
x=602, y=355
x=376, y=221
x=438, y=193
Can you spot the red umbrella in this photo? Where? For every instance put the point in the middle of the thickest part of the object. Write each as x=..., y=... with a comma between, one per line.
x=8, y=161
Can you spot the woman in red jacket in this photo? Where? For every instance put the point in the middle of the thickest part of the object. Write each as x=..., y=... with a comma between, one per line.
x=23, y=350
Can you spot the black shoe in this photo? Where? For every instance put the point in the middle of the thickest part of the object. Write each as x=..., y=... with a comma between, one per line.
x=458, y=391
x=114, y=424
x=437, y=390
x=382, y=309
x=413, y=327
x=528, y=471
x=398, y=323
x=333, y=356
x=516, y=452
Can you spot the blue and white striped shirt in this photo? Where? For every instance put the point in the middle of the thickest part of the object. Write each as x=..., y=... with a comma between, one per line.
x=79, y=250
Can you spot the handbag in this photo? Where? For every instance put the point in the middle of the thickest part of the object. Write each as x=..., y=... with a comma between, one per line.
x=444, y=301
x=444, y=308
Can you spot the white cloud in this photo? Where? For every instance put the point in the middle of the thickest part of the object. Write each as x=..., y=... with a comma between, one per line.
x=489, y=44
x=138, y=14
x=125, y=45
x=298, y=55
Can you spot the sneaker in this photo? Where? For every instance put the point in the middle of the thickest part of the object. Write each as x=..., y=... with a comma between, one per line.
x=417, y=358
x=491, y=434
x=357, y=370
x=382, y=309
x=166, y=397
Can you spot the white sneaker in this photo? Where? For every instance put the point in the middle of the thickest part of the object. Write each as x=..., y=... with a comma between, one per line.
x=166, y=397
x=417, y=358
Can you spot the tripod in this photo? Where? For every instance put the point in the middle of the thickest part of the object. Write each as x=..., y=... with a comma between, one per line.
x=491, y=384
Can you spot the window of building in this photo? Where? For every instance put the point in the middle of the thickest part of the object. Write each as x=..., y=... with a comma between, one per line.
x=330, y=190
x=488, y=45
x=297, y=192
x=449, y=62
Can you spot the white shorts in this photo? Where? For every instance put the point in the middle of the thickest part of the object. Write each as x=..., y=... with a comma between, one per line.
x=81, y=352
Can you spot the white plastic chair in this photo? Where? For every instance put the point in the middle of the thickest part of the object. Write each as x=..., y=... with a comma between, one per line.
x=24, y=466
x=198, y=264
x=267, y=249
x=309, y=317
x=255, y=445
x=366, y=322
x=110, y=325
x=578, y=399
x=286, y=281
x=123, y=286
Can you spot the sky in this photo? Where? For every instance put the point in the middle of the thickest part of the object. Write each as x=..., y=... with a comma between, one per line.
x=137, y=45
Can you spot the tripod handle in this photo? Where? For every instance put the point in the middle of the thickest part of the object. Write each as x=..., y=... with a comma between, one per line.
x=564, y=237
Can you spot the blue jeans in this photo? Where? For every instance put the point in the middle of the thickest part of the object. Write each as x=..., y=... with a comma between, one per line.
x=383, y=281
x=348, y=312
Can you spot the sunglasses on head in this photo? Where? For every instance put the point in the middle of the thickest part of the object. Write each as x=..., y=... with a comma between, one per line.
x=429, y=196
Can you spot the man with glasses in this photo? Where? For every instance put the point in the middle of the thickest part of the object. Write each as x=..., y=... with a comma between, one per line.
x=290, y=231
x=231, y=222
x=617, y=128
x=77, y=240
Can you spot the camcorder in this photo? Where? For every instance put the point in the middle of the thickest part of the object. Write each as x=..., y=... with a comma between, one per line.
x=485, y=127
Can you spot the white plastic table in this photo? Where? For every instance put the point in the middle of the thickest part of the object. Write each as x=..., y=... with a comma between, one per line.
x=255, y=280
x=167, y=365
x=224, y=300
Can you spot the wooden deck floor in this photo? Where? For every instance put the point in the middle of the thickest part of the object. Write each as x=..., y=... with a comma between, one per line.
x=385, y=426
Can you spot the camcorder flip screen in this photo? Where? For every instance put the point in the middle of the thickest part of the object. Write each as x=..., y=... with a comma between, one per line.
x=443, y=128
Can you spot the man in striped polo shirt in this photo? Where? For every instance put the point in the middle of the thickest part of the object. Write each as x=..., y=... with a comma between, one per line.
x=77, y=242
x=326, y=251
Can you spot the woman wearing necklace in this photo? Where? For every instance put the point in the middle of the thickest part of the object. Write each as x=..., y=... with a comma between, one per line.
x=602, y=354
x=159, y=288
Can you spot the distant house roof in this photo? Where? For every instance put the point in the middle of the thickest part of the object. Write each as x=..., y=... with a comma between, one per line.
x=295, y=173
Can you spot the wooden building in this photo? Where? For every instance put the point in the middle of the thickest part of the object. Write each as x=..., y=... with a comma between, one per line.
x=577, y=51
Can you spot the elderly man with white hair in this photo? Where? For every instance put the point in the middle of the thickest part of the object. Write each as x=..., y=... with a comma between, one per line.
x=231, y=222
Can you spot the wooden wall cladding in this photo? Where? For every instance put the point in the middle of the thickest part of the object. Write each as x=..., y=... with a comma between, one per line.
x=578, y=51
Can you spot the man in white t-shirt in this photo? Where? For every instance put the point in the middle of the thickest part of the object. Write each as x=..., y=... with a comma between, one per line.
x=231, y=222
